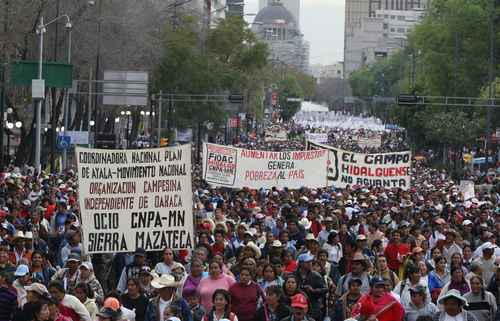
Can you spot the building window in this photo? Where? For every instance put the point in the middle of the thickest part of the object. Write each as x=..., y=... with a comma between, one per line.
x=386, y=16
x=392, y=29
x=386, y=26
x=401, y=18
x=401, y=30
x=393, y=17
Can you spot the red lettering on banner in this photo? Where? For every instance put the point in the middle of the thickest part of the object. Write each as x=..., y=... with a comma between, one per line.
x=377, y=172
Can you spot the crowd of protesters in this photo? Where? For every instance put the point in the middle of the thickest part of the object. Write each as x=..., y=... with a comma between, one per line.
x=309, y=254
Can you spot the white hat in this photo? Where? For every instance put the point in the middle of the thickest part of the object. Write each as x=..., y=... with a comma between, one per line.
x=467, y=222
x=88, y=265
x=164, y=281
x=305, y=223
x=255, y=248
x=452, y=294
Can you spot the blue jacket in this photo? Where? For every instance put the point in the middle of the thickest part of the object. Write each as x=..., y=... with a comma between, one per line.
x=153, y=312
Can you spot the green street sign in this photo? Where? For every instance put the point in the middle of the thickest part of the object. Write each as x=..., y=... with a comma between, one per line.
x=58, y=75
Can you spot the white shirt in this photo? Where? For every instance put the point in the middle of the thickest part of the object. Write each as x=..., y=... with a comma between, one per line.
x=334, y=252
x=162, y=306
x=161, y=268
x=458, y=317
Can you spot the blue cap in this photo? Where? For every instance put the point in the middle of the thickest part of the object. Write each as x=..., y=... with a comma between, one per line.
x=22, y=270
x=377, y=281
x=306, y=257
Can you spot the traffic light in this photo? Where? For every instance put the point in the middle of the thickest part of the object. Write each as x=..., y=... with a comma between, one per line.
x=407, y=99
x=163, y=142
x=235, y=99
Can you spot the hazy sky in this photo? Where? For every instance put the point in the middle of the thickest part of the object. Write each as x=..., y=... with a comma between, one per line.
x=322, y=23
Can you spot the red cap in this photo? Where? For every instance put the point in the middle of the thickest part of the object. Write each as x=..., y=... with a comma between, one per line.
x=112, y=303
x=299, y=301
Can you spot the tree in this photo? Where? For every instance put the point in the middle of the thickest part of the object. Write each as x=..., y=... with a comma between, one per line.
x=289, y=87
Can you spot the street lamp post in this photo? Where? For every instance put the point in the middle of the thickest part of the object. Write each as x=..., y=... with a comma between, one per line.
x=41, y=29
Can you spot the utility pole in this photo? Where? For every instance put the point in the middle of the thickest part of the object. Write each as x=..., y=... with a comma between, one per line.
x=97, y=69
x=53, y=123
x=3, y=80
x=455, y=64
x=491, y=78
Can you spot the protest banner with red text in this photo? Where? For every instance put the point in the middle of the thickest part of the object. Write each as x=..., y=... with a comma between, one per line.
x=133, y=199
x=388, y=170
x=235, y=167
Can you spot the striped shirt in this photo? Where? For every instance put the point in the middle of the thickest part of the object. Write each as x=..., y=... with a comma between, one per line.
x=8, y=303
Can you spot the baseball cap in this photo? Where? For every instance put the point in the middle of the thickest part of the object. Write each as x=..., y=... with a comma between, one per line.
x=305, y=257
x=299, y=301
x=112, y=303
x=87, y=265
x=22, y=270
x=73, y=256
x=38, y=288
x=109, y=313
x=377, y=281
x=140, y=252
x=418, y=289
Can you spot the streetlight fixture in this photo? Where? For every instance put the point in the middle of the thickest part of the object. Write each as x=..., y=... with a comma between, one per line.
x=117, y=119
x=122, y=113
x=40, y=30
x=19, y=124
x=91, y=123
x=10, y=125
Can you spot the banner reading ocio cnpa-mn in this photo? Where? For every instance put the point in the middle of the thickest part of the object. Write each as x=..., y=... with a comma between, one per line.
x=236, y=167
x=389, y=170
x=135, y=198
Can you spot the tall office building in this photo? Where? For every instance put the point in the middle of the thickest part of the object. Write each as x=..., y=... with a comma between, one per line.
x=291, y=5
x=374, y=29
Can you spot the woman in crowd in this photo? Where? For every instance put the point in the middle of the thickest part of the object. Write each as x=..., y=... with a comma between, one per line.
x=382, y=271
x=134, y=299
x=269, y=277
x=216, y=280
x=221, y=307
x=456, y=261
x=87, y=276
x=85, y=294
x=435, y=253
x=41, y=311
x=195, y=275
x=411, y=280
x=438, y=277
x=245, y=296
x=290, y=288
x=41, y=269
x=457, y=282
x=481, y=303
x=273, y=308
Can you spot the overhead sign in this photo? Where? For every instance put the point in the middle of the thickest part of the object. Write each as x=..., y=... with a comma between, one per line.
x=55, y=74
x=133, y=199
x=77, y=137
x=388, y=170
x=317, y=137
x=235, y=167
x=125, y=88
x=63, y=142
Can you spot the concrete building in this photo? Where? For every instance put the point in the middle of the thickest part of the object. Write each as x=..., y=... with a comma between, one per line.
x=291, y=5
x=234, y=8
x=376, y=28
x=276, y=26
x=321, y=72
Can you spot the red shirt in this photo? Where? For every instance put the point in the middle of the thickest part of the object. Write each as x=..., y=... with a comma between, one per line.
x=291, y=266
x=369, y=305
x=391, y=253
x=244, y=300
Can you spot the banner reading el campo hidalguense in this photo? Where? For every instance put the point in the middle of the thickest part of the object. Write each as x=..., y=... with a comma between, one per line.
x=135, y=199
x=235, y=167
x=389, y=170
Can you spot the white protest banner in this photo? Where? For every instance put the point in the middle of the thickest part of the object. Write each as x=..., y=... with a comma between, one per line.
x=369, y=142
x=321, y=138
x=389, y=170
x=275, y=136
x=135, y=199
x=235, y=167
x=466, y=187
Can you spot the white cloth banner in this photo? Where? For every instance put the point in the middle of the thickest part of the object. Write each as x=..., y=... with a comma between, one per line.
x=466, y=187
x=321, y=138
x=235, y=167
x=133, y=199
x=369, y=142
x=388, y=170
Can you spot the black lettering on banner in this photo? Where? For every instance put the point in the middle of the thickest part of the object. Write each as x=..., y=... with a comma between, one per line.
x=107, y=242
x=150, y=219
x=105, y=221
x=143, y=202
x=85, y=172
x=157, y=240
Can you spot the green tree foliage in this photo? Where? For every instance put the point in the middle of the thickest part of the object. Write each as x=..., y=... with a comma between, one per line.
x=447, y=55
x=289, y=87
x=227, y=58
